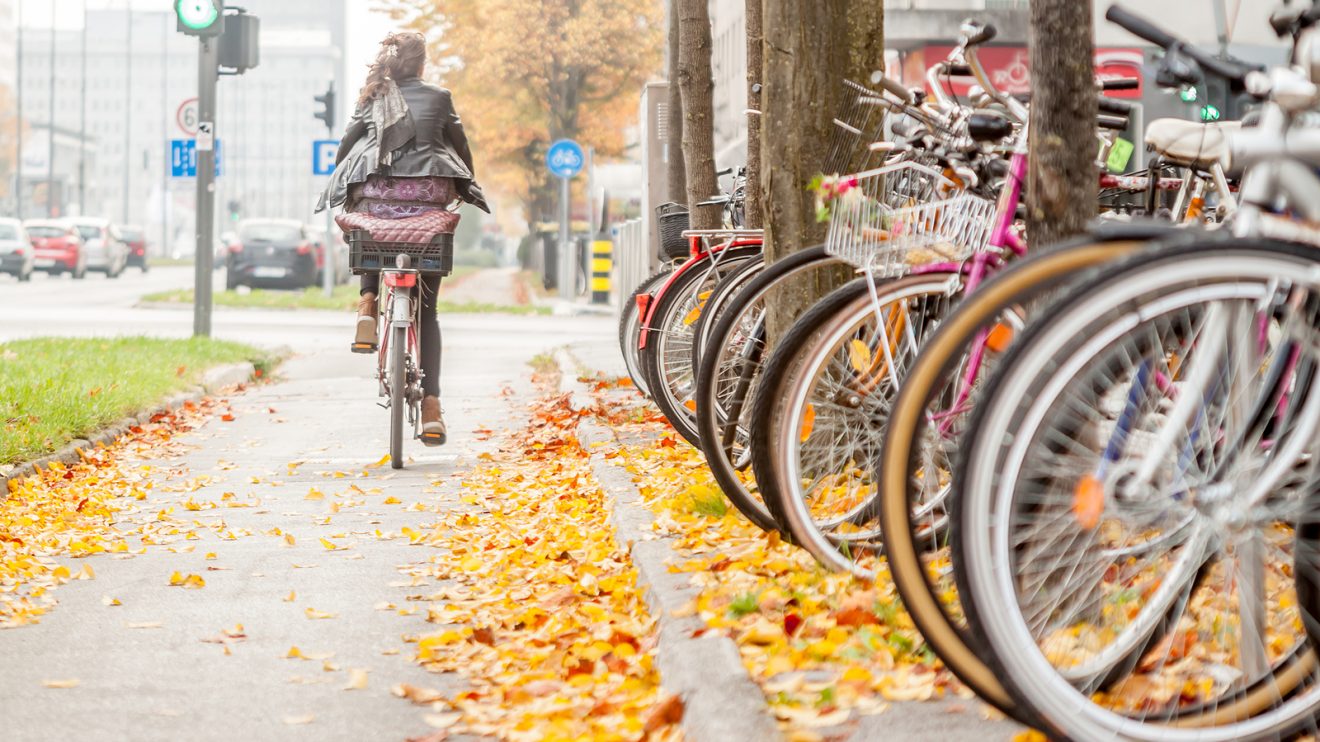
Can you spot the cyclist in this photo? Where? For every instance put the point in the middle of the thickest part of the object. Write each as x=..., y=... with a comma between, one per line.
x=404, y=154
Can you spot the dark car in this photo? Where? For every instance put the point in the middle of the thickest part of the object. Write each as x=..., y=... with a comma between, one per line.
x=274, y=253
x=136, y=239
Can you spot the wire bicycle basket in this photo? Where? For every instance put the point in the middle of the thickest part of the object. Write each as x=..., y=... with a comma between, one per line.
x=888, y=219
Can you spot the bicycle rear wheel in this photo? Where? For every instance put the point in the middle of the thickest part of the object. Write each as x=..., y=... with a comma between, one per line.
x=398, y=384
x=729, y=371
x=630, y=326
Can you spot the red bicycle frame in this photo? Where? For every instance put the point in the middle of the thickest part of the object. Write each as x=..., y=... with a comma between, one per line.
x=700, y=253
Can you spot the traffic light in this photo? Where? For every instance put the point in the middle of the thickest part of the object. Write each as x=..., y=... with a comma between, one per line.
x=200, y=17
x=327, y=100
x=235, y=209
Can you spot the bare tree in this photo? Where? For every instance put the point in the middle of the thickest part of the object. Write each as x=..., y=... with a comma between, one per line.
x=1061, y=185
x=676, y=171
x=811, y=47
x=755, y=61
x=698, y=89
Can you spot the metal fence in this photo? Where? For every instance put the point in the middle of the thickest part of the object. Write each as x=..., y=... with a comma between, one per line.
x=633, y=262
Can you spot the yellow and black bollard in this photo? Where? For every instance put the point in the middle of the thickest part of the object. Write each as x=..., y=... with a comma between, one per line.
x=602, y=268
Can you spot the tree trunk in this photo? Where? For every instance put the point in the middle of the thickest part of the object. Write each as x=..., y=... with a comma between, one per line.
x=755, y=60
x=811, y=47
x=1061, y=184
x=698, y=89
x=676, y=169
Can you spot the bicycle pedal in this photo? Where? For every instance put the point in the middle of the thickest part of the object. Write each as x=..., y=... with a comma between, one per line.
x=364, y=348
x=433, y=439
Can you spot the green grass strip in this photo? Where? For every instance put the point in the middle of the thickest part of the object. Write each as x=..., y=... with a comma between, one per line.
x=55, y=390
x=344, y=298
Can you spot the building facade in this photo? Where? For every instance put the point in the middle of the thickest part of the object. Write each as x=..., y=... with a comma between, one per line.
x=137, y=91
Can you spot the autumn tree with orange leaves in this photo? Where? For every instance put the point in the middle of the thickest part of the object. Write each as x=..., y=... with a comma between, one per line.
x=526, y=73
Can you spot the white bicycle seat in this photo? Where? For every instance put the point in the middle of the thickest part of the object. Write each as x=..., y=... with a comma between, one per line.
x=1198, y=145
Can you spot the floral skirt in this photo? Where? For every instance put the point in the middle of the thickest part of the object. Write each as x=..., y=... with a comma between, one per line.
x=385, y=197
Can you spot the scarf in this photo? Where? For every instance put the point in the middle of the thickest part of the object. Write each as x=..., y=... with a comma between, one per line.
x=394, y=125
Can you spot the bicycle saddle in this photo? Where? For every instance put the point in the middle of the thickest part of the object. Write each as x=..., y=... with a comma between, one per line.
x=1199, y=145
x=420, y=229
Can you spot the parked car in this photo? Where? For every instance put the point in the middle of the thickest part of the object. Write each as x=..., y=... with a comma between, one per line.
x=57, y=247
x=105, y=252
x=272, y=252
x=135, y=238
x=16, y=251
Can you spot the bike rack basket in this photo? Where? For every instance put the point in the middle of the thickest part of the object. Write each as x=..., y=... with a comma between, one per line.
x=366, y=255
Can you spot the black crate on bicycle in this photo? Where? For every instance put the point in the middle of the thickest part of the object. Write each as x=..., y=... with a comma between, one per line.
x=673, y=221
x=366, y=255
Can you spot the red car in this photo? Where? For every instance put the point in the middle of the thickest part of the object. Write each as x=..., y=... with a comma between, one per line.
x=136, y=239
x=57, y=247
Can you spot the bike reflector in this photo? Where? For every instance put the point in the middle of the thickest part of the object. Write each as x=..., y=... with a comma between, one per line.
x=401, y=280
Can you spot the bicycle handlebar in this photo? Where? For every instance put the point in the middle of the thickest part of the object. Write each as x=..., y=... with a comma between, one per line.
x=1234, y=72
x=1114, y=106
x=1121, y=83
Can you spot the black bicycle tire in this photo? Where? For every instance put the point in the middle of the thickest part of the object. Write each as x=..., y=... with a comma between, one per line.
x=627, y=341
x=707, y=425
x=667, y=302
x=398, y=384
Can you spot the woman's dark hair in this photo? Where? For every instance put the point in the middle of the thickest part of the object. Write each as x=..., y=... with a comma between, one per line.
x=401, y=55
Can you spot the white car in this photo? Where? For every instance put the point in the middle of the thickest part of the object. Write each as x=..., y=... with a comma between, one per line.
x=16, y=252
x=105, y=252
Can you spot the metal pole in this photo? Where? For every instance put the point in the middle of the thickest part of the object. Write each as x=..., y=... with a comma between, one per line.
x=82, y=120
x=128, y=114
x=207, y=75
x=328, y=280
x=18, y=161
x=567, y=281
x=51, y=210
x=164, y=248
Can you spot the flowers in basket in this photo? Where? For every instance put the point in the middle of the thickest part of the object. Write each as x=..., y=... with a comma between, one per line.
x=831, y=190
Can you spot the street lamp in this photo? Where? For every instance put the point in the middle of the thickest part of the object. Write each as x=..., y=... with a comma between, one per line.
x=200, y=17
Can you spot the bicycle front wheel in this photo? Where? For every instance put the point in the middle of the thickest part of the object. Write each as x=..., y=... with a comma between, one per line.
x=398, y=384
x=1136, y=472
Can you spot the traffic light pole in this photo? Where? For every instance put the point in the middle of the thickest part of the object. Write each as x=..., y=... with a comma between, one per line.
x=208, y=62
x=331, y=238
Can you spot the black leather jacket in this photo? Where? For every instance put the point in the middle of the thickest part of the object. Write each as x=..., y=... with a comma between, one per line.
x=439, y=149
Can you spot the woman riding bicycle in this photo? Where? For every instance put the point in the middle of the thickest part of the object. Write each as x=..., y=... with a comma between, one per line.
x=404, y=154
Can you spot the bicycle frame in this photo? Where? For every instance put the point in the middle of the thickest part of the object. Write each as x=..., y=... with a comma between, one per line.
x=701, y=254
x=400, y=311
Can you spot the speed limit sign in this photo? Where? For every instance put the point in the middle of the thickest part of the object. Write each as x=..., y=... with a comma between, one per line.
x=187, y=117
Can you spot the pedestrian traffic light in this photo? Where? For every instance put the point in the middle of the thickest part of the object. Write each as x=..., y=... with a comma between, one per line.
x=235, y=209
x=200, y=17
x=327, y=100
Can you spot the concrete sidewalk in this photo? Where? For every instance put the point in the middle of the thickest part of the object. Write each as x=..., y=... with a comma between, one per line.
x=164, y=682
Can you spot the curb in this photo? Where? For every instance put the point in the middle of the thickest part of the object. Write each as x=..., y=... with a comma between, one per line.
x=213, y=381
x=721, y=702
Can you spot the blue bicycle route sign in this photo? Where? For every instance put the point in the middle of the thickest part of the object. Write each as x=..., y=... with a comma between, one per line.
x=565, y=158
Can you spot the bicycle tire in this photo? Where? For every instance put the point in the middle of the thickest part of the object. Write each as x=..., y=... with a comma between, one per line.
x=398, y=385
x=941, y=356
x=1290, y=688
x=665, y=352
x=630, y=326
x=803, y=360
x=720, y=301
x=709, y=409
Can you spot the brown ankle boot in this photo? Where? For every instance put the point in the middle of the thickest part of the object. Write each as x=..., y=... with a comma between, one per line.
x=433, y=422
x=365, y=340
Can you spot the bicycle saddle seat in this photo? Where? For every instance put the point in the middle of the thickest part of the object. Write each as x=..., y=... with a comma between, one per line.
x=420, y=229
x=1199, y=145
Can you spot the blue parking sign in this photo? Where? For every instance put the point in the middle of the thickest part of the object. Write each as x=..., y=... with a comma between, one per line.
x=183, y=158
x=324, y=152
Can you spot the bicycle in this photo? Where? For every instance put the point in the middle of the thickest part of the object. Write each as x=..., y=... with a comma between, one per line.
x=398, y=358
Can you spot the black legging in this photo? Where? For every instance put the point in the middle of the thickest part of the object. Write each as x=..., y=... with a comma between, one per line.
x=430, y=328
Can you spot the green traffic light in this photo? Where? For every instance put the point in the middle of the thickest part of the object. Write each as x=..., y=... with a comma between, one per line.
x=197, y=14
x=1188, y=95
x=1210, y=113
